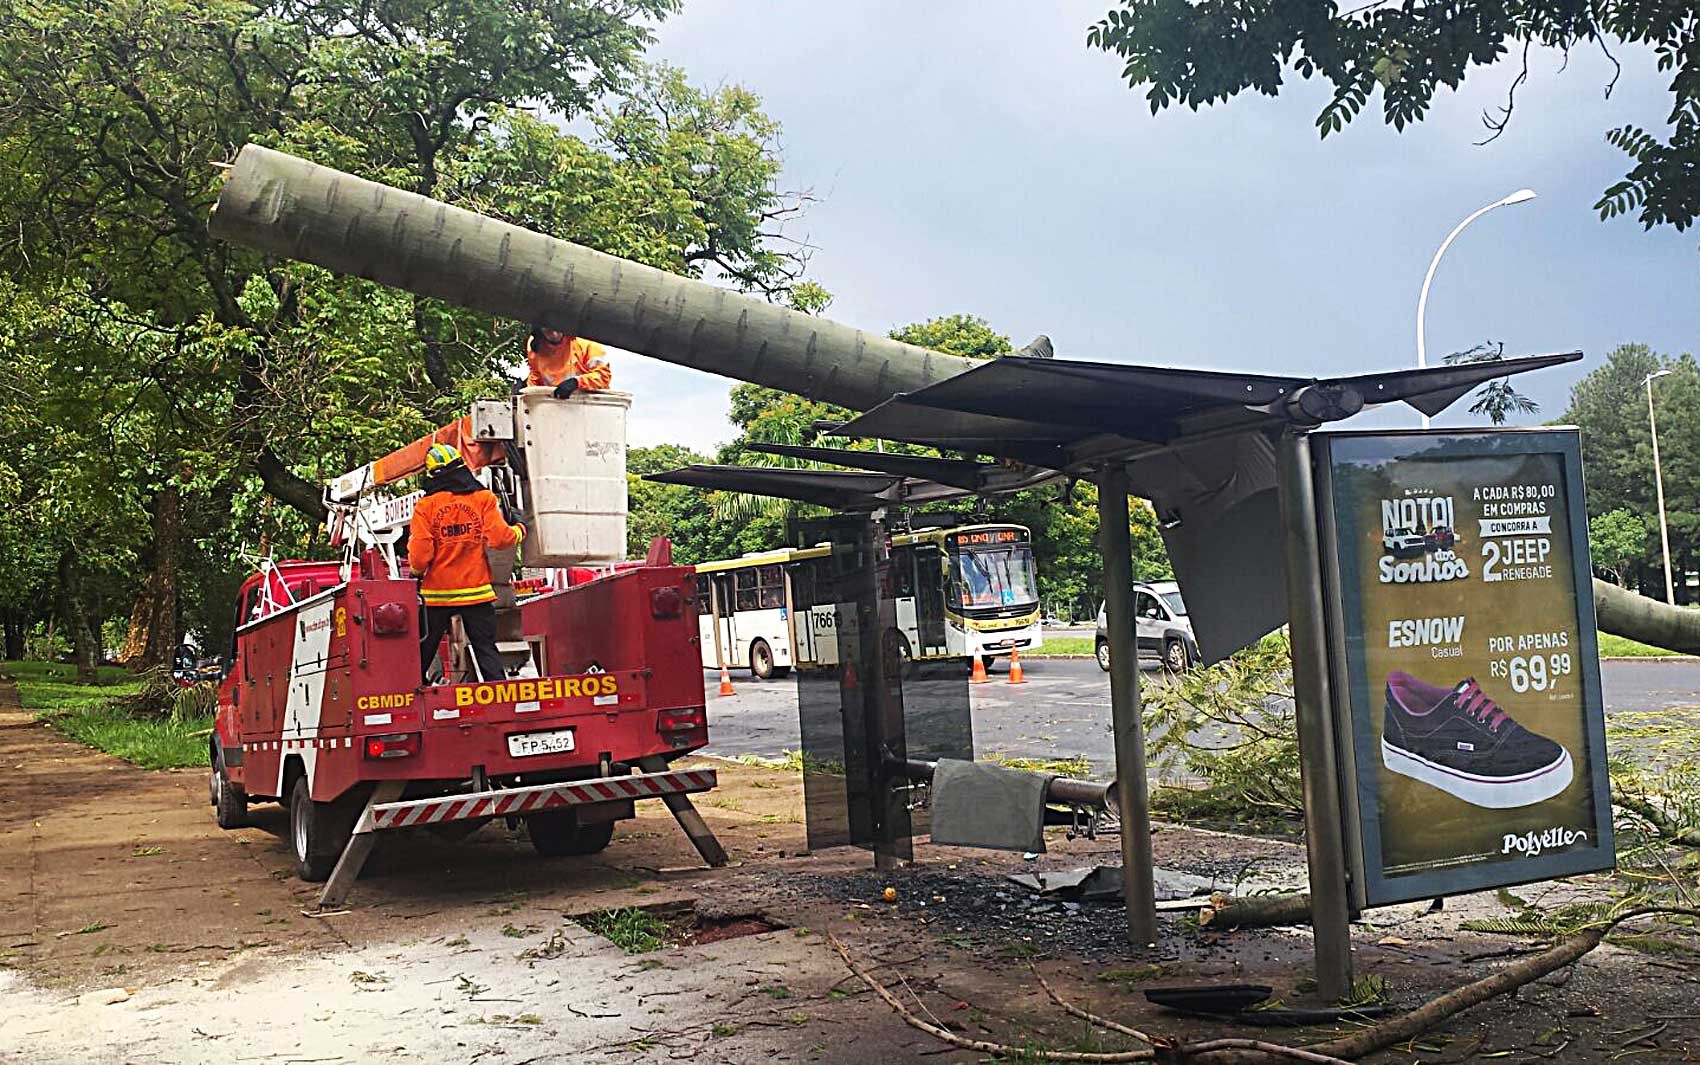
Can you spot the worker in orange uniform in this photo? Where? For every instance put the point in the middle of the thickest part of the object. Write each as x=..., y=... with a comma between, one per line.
x=452, y=525
x=566, y=363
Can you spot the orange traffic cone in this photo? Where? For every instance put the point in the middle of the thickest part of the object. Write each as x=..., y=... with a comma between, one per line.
x=979, y=674
x=725, y=683
x=1015, y=674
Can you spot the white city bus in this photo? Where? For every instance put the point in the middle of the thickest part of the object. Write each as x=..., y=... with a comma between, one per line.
x=958, y=592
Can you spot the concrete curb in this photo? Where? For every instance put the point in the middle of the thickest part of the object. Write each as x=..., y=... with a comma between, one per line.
x=1650, y=658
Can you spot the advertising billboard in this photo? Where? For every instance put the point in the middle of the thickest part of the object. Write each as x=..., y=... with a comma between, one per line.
x=1472, y=726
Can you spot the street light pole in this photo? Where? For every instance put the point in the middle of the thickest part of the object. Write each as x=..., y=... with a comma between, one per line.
x=1520, y=196
x=1659, y=485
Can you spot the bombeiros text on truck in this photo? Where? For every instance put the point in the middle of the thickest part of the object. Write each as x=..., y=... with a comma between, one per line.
x=322, y=707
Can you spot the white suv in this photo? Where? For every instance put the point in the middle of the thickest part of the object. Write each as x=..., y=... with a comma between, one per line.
x=1163, y=630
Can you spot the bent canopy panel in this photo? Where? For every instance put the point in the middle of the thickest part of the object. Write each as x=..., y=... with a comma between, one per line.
x=1199, y=444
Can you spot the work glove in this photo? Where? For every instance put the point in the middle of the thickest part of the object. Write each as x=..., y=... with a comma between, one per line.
x=567, y=387
x=519, y=532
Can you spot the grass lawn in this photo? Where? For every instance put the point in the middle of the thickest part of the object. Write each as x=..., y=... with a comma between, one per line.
x=1619, y=647
x=1062, y=645
x=85, y=713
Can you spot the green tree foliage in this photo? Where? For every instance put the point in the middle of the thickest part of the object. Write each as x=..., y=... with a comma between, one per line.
x=1616, y=539
x=1497, y=400
x=1194, y=54
x=183, y=370
x=1609, y=405
x=1230, y=730
x=956, y=334
x=675, y=511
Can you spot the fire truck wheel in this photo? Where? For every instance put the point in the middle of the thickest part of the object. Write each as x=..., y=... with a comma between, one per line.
x=318, y=832
x=230, y=803
x=559, y=833
x=761, y=660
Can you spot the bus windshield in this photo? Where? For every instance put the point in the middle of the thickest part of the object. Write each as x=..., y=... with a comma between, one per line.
x=994, y=577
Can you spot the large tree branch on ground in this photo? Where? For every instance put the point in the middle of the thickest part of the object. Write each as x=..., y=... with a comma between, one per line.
x=1667, y=827
x=1258, y=1052
x=1254, y=911
x=286, y=487
x=1623, y=613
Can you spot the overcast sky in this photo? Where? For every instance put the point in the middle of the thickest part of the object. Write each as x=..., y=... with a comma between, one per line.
x=977, y=157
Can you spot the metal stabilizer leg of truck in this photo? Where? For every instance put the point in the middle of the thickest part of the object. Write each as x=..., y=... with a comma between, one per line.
x=701, y=836
x=359, y=847
x=386, y=810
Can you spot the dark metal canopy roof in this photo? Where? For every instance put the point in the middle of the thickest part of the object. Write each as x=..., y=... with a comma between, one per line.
x=1199, y=444
x=1046, y=410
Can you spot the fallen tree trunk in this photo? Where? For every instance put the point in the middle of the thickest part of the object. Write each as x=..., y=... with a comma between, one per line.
x=290, y=207
x=1255, y=911
x=1621, y=612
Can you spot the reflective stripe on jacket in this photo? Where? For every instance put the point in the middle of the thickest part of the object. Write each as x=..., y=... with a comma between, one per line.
x=446, y=543
x=551, y=364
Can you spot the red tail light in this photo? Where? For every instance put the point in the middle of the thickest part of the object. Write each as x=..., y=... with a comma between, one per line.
x=390, y=619
x=666, y=602
x=683, y=727
x=395, y=745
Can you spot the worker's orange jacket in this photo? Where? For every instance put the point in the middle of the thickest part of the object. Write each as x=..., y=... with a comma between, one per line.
x=573, y=357
x=451, y=526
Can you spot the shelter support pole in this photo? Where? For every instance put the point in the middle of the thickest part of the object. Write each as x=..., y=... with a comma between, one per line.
x=1313, y=702
x=1139, y=891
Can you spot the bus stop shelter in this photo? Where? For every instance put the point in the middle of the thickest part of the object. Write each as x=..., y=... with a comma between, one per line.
x=1224, y=459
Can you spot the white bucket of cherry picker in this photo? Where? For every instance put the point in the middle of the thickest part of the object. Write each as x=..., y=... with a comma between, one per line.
x=575, y=457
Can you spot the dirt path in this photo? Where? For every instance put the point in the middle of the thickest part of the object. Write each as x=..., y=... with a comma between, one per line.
x=140, y=932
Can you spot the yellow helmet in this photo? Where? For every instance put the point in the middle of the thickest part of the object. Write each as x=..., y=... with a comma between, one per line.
x=440, y=455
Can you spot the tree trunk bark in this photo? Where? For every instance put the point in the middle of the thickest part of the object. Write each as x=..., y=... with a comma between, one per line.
x=73, y=610
x=161, y=646
x=290, y=207
x=136, y=633
x=15, y=628
x=1623, y=613
x=1255, y=911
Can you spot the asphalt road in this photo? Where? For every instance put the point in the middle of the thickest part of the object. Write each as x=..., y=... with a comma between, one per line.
x=1063, y=710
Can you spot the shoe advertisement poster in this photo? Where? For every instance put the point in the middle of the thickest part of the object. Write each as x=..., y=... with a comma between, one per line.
x=1475, y=747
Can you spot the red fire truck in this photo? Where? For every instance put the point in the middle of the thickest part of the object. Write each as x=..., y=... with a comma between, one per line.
x=322, y=708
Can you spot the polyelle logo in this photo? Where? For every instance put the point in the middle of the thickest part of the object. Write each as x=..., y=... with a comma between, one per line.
x=1533, y=844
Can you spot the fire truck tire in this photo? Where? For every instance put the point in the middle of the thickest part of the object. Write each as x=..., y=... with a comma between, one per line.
x=318, y=831
x=230, y=803
x=559, y=833
x=761, y=660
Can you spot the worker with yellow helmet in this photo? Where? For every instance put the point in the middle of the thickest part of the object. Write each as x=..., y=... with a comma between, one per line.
x=452, y=525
